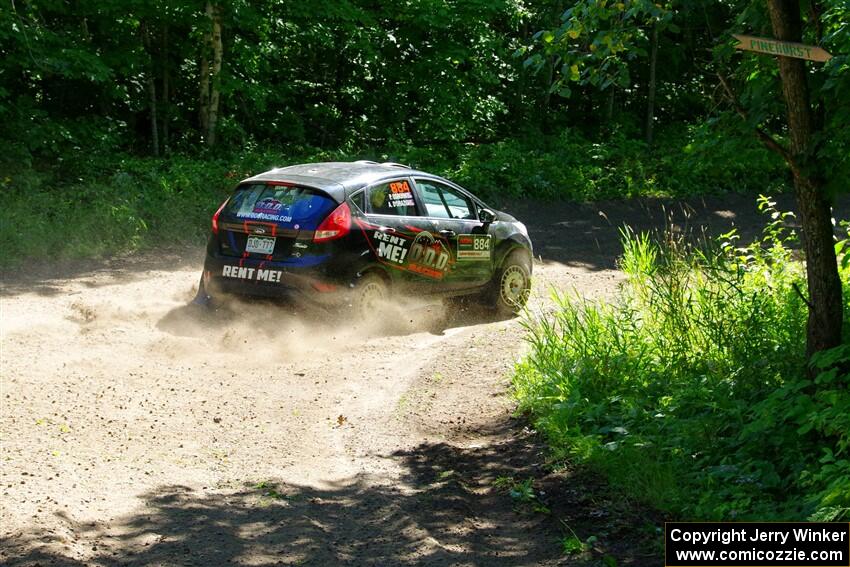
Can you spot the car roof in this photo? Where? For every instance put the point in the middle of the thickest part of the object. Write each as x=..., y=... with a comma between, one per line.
x=337, y=178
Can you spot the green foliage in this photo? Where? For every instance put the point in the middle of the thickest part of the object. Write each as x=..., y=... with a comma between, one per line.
x=690, y=391
x=113, y=204
x=571, y=545
x=567, y=166
x=596, y=41
x=523, y=492
x=318, y=73
x=718, y=155
x=132, y=202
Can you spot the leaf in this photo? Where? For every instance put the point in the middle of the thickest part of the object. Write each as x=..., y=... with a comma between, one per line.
x=572, y=545
x=574, y=74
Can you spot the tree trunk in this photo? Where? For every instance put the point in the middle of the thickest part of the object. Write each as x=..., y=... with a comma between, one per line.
x=166, y=102
x=824, y=283
x=151, y=84
x=154, y=130
x=204, y=95
x=215, y=81
x=204, y=99
x=608, y=116
x=551, y=63
x=650, y=96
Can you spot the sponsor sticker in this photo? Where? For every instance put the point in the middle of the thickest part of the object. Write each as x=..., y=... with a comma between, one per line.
x=428, y=256
x=423, y=255
x=268, y=206
x=251, y=274
x=473, y=246
x=391, y=248
x=264, y=216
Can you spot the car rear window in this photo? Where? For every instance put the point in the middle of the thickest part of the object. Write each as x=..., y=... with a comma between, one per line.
x=280, y=204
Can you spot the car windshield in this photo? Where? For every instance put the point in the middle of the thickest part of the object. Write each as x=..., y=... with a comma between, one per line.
x=280, y=204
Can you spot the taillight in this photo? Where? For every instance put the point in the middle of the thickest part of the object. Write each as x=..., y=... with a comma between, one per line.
x=337, y=225
x=215, y=217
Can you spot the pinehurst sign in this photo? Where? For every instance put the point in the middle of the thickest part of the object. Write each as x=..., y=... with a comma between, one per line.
x=785, y=48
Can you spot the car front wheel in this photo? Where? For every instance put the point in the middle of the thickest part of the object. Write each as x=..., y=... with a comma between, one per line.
x=512, y=284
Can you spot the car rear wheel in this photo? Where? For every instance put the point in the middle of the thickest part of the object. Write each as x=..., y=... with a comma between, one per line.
x=370, y=297
x=202, y=297
x=512, y=284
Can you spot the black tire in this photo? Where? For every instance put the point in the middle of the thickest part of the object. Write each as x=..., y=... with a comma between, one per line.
x=511, y=284
x=202, y=297
x=370, y=295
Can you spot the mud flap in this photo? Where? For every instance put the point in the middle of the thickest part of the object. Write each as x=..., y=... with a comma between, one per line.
x=202, y=298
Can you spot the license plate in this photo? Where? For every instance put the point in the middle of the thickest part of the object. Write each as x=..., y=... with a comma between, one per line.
x=260, y=245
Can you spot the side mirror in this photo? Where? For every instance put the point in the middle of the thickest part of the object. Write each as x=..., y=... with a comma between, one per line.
x=486, y=216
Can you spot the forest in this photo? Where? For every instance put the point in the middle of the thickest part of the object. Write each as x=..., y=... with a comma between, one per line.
x=152, y=107
x=126, y=123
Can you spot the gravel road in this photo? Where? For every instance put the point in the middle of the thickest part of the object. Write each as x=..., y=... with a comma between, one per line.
x=138, y=430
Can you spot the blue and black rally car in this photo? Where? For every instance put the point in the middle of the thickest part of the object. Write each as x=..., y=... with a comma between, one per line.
x=358, y=233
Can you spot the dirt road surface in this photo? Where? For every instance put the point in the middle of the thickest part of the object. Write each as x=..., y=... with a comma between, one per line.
x=137, y=430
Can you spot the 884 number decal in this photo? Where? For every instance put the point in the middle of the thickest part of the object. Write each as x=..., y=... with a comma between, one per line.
x=473, y=246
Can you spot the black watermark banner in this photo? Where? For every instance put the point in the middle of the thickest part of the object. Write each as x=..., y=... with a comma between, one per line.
x=756, y=544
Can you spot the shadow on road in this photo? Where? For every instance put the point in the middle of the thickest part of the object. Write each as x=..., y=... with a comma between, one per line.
x=48, y=278
x=450, y=509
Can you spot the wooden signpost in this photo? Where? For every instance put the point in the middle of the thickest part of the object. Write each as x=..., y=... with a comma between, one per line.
x=786, y=48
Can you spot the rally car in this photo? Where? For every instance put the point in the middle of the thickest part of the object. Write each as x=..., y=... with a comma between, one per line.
x=357, y=233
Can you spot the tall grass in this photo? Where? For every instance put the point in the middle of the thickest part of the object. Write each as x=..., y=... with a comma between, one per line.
x=689, y=391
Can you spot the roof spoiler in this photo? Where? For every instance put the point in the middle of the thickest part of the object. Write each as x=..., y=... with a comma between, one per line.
x=387, y=163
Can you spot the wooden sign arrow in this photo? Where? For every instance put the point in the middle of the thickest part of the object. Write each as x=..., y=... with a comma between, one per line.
x=784, y=48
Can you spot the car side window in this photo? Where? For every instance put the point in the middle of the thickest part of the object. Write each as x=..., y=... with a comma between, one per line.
x=444, y=202
x=359, y=200
x=391, y=198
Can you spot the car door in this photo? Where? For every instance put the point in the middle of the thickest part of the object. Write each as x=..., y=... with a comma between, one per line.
x=401, y=238
x=454, y=216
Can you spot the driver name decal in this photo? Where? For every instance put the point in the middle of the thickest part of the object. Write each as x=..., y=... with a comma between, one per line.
x=400, y=195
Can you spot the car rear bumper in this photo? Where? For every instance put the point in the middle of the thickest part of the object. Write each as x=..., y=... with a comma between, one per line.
x=249, y=277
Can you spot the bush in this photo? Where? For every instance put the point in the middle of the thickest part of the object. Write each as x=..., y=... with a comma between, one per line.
x=117, y=202
x=114, y=204
x=690, y=392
